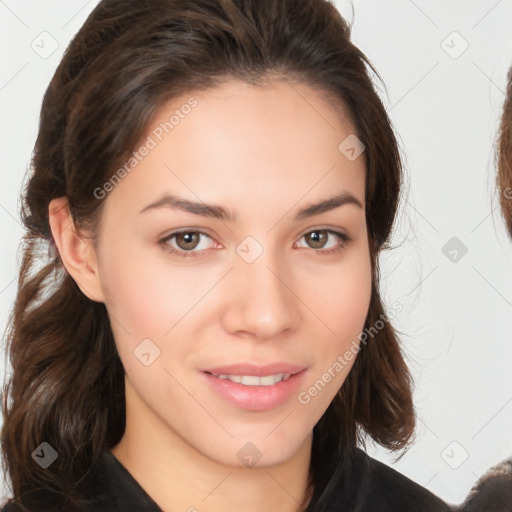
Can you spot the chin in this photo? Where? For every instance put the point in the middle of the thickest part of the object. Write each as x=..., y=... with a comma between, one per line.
x=254, y=451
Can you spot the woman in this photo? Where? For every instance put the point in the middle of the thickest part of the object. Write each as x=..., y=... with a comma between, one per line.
x=216, y=180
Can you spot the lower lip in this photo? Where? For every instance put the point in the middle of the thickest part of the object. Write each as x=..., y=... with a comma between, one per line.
x=256, y=398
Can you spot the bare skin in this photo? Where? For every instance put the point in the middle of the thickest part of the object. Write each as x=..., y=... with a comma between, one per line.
x=263, y=154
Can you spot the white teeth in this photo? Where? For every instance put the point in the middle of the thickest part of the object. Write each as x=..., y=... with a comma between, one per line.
x=253, y=380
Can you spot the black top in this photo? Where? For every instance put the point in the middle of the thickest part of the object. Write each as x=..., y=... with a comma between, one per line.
x=376, y=488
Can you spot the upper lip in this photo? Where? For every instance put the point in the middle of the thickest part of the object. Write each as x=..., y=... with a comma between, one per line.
x=257, y=370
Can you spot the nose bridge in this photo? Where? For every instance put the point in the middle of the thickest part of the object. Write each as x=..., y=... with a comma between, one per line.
x=262, y=303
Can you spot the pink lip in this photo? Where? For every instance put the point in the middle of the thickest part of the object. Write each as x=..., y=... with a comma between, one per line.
x=252, y=369
x=255, y=398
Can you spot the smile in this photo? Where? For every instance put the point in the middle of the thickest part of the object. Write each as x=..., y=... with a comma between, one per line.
x=254, y=380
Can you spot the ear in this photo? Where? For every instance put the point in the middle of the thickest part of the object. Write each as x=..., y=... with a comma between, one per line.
x=76, y=250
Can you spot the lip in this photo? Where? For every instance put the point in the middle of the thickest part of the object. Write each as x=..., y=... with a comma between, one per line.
x=253, y=369
x=255, y=398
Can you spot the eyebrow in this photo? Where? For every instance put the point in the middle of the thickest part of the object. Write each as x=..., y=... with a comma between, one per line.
x=219, y=212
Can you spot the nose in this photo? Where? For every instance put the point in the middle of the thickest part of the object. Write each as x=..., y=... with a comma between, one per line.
x=261, y=300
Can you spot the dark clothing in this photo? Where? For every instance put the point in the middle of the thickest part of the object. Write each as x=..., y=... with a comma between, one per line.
x=374, y=487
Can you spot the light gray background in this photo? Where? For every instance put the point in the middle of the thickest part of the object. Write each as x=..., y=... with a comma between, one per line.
x=445, y=105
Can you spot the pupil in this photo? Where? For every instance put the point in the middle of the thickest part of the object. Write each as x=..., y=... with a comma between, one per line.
x=317, y=237
x=189, y=238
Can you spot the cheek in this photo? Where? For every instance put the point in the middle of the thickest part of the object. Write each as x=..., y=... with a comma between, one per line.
x=147, y=298
x=346, y=298
x=343, y=306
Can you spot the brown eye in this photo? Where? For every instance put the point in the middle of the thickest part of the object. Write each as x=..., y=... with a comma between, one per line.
x=317, y=238
x=325, y=241
x=187, y=240
x=186, y=244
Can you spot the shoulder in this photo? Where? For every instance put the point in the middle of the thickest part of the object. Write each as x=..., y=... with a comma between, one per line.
x=493, y=491
x=108, y=487
x=10, y=507
x=388, y=490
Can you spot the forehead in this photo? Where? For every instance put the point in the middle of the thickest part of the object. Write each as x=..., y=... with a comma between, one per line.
x=271, y=103
x=247, y=143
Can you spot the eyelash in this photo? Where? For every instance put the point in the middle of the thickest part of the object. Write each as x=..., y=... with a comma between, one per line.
x=345, y=239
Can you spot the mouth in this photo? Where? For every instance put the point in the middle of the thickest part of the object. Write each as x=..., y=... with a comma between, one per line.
x=255, y=388
x=254, y=380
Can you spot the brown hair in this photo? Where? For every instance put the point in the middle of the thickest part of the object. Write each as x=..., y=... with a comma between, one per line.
x=67, y=387
x=492, y=492
x=504, y=158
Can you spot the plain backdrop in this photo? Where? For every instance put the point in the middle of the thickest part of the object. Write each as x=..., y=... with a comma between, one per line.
x=444, y=65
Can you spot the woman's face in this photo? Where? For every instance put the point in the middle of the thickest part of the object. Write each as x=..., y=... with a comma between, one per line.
x=261, y=283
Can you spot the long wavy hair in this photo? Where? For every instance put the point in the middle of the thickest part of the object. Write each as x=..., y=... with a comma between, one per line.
x=504, y=158
x=131, y=56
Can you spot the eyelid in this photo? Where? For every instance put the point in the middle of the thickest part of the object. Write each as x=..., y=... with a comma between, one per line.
x=337, y=232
